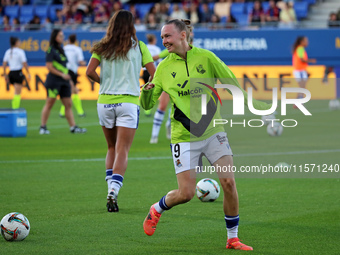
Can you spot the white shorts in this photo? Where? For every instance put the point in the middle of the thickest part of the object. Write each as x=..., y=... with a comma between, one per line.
x=188, y=155
x=300, y=75
x=121, y=115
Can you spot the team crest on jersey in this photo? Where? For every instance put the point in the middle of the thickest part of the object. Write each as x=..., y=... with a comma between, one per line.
x=178, y=163
x=200, y=69
x=173, y=74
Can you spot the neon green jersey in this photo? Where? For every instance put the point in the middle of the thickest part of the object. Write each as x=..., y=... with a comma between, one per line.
x=173, y=75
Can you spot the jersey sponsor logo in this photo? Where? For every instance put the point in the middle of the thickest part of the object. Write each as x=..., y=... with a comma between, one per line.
x=183, y=85
x=173, y=74
x=200, y=69
x=196, y=92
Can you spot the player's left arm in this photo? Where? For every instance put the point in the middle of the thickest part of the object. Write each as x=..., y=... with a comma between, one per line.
x=226, y=76
x=151, y=91
x=81, y=60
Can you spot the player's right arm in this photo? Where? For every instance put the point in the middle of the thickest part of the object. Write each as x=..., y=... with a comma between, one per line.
x=92, y=66
x=4, y=64
x=151, y=91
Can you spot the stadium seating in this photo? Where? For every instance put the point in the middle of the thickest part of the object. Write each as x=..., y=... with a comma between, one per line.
x=41, y=11
x=242, y=19
x=237, y=8
x=12, y=11
x=143, y=9
x=301, y=10
x=27, y=11
x=53, y=9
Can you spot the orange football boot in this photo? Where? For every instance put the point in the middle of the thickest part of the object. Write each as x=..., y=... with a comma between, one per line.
x=234, y=243
x=151, y=221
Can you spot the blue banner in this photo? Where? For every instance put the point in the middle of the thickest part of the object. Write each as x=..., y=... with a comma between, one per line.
x=264, y=47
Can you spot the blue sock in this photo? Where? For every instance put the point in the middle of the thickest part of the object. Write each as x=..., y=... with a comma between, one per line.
x=116, y=182
x=108, y=174
x=161, y=205
x=232, y=225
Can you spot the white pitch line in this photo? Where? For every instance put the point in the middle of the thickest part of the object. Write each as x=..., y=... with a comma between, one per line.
x=166, y=157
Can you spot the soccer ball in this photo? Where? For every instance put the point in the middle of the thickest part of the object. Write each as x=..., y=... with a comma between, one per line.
x=283, y=165
x=334, y=105
x=207, y=190
x=15, y=227
x=275, y=129
x=267, y=119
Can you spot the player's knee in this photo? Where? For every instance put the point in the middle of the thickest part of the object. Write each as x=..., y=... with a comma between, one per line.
x=228, y=185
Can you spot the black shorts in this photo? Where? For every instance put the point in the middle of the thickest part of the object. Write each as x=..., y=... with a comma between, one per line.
x=146, y=76
x=74, y=77
x=16, y=77
x=56, y=85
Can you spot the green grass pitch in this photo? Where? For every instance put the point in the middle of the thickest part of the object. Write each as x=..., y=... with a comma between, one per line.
x=57, y=181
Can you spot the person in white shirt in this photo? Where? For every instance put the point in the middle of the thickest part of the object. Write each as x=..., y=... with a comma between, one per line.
x=15, y=58
x=75, y=58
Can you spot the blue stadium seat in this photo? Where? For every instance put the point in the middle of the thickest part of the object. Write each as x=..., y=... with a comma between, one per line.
x=52, y=10
x=249, y=7
x=265, y=6
x=27, y=10
x=211, y=6
x=310, y=1
x=301, y=9
x=237, y=8
x=242, y=19
x=143, y=9
x=41, y=11
x=25, y=19
x=12, y=11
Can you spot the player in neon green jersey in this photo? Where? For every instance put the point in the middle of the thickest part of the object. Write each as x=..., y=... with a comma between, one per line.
x=173, y=77
x=121, y=59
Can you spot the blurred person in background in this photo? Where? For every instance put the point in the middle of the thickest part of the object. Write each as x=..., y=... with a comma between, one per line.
x=6, y=26
x=15, y=59
x=222, y=9
x=257, y=16
x=272, y=15
x=300, y=62
x=177, y=13
x=333, y=22
x=75, y=58
x=206, y=13
x=287, y=15
x=57, y=83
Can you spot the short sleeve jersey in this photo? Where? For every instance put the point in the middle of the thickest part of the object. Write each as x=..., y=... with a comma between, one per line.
x=174, y=75
x=58, y=59
x=74, y=55
x=15, y=58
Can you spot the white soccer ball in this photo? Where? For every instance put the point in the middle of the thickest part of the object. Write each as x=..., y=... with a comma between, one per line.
x=267, y=119
x=334, y=105
x=14, y=227
x=275, y=129
x=207, y=190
